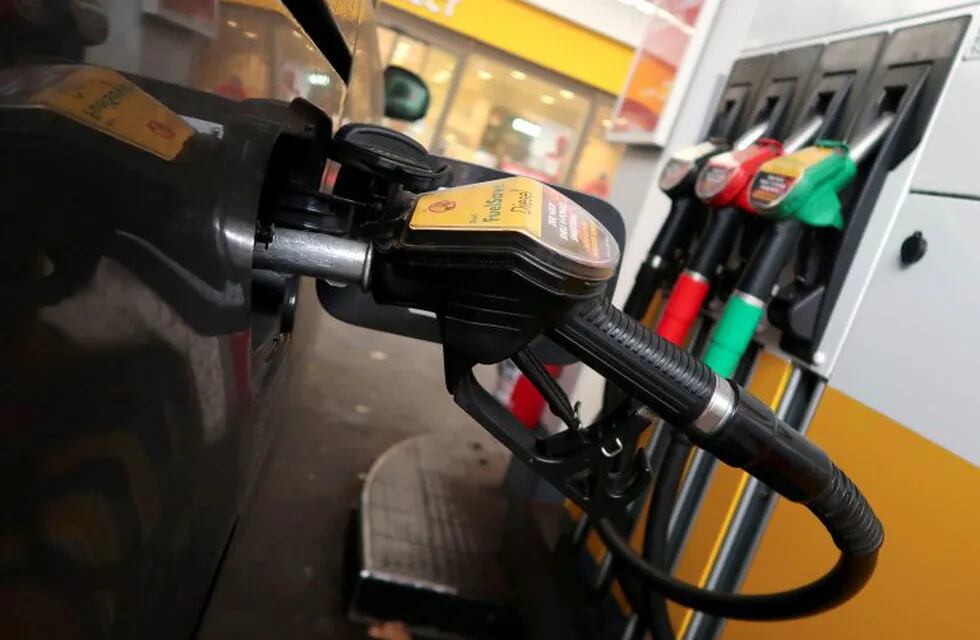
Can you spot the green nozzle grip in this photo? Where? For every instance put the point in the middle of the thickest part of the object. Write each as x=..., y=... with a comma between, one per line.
x=732, y=336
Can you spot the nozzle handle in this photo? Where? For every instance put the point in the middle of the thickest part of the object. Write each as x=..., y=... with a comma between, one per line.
x=672, y=382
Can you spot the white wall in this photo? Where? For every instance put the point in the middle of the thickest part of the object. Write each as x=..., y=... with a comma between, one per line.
x=782, y=21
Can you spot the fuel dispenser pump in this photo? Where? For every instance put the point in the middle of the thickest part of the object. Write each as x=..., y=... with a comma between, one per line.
x=726, y=185
x=796, y=191
x=667, y=253
x=831, y=169
x=678, y=180
x=722, y=185
x=718, y=186
x=502, y=262
x=679, y=177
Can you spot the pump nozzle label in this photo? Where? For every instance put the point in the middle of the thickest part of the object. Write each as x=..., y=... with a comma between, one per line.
x=727, y=174
x=716, y=176
x=521, y=205
x=682, y=162
x=777, y=177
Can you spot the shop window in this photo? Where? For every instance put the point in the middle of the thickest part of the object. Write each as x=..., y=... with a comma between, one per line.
x=599, y=158
x=386, y=43
x=434, y=65
x=366, y=100
x=513, y=120
x=236, y=62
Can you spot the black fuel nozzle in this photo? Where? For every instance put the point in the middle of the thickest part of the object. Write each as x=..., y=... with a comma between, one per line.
x=499, y=263
x=685, y=217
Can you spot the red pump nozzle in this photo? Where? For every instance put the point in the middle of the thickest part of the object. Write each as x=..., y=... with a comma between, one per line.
x=725, y=176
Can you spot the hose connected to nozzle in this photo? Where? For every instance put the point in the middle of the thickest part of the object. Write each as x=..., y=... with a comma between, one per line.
x=713, y=413
x=721, y=418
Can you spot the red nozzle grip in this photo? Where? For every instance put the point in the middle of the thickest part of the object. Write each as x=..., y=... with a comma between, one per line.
x=682, y=308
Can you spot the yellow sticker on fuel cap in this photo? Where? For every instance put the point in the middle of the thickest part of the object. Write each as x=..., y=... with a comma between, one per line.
x=104, y=100
x=522, y=205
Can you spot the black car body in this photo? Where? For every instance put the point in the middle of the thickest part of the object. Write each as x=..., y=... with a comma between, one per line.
x=144, y=368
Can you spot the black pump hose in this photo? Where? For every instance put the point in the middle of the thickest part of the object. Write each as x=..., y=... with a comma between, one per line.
x=741, y=431
x=842, y=582
x=675, y=233
x=658, y=525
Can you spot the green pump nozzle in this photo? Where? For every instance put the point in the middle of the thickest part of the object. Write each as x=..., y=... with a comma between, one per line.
x=805, y=184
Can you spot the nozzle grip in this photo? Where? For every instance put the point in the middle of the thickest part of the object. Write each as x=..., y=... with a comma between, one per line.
x=668, y=380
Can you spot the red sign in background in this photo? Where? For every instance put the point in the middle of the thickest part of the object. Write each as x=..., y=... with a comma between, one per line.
x=655, y=67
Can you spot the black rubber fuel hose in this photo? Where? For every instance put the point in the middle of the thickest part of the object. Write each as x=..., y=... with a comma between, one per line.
x=716, y=242
x=770, y=258
x=741, y=431
x=675, y=233
x=658, y=525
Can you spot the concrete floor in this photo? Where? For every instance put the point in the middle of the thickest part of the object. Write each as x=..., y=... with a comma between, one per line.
x=362, y=392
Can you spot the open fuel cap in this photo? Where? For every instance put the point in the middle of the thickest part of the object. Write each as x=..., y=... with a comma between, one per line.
x=388, y=154
x=561, y=245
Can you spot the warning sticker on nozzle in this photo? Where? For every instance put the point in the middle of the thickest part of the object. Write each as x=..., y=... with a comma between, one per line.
x=776, y=178
x=683, y=162
x=522, y=205
x=568, y=228
x=768, y=189
x=715, y=176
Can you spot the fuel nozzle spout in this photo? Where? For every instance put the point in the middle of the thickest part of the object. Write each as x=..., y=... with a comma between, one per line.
x=501, y=263
x=803, y=135
x=752, y=135
x=318, y=255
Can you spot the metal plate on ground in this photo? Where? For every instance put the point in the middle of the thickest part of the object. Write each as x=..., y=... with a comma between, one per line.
x=431, y=525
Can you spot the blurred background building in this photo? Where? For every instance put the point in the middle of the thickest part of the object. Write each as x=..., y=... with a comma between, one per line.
x=526, y=87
